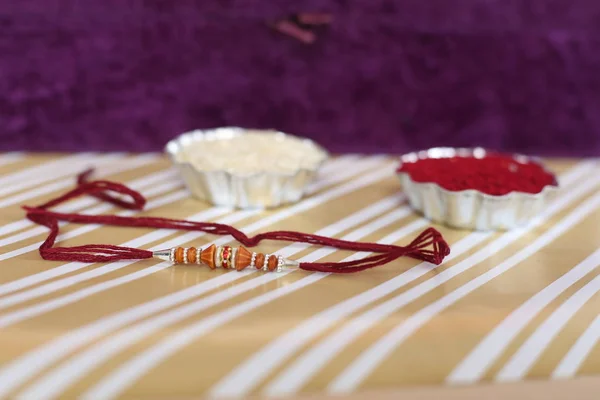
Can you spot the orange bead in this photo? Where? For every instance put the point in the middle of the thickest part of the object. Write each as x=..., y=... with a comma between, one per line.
x=179, y=255
x=243, y=258
x=260, y=260
x=191, y=255
x=208, y=256
x=272, y=264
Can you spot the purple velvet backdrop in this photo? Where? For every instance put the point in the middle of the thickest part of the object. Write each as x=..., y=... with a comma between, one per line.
x=388, y=76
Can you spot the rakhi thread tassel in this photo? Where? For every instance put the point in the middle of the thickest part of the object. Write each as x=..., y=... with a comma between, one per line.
x=226, y=257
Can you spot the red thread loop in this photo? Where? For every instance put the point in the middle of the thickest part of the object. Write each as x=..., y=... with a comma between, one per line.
x=428, y=246
x=138, y=200
x=100, y=190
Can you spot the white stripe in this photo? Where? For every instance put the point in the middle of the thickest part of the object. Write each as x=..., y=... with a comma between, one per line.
x=112, y=346
x=26, y=366
x=160, y=182
x=156, y=235
x=312, y=202
x=296, y=375
x=60, y=284
x=123, y=377
x=40, y=308
x=21, y=369
x=53, y=304
x=155, y=190
x=159, y=202
x=330, y=167
x=340, y=163
x=133, y=163
x=69, y=372
x=570, y=364
x=70, y=167
x=310, y=362
x=245, y=377
x=70, y=267
x=481, y=358
x=64, y=269
x=40, y=169
x=360, y=368
x=112, y=168
x=522, y=361
x=9, y=158
x=115, y=383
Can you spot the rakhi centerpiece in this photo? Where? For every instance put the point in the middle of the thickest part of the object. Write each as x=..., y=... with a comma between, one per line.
x=474, y=188
x=226, y=257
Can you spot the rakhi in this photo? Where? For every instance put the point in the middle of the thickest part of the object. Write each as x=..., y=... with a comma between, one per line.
x=428, y=246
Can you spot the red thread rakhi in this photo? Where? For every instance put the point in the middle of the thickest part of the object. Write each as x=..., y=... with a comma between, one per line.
x=429, y=246
x=474, y=188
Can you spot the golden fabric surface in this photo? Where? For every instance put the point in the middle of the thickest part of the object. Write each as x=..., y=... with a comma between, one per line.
x=505, y=307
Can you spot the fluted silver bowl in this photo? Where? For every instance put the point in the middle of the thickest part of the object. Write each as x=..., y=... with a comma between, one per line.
x=234, y=189
x=471, y=209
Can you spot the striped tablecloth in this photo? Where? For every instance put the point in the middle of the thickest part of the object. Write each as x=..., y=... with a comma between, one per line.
x=502, y=308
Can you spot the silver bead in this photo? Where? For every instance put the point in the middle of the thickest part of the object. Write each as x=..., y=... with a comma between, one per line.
x=198, y=251
x=288, y=264
x=185, y=250
x=265, y=267
x=253, y=261
x=163, y=254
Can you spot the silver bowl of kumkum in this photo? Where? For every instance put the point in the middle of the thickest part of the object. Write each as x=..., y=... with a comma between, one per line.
x=467, y=208
x=246, y=168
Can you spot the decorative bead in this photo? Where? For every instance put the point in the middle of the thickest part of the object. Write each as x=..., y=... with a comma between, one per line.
x=225, y=256
x=219, y=257
x=179, y=255
x=191, y=255
x=272, y=264
x=228, y=257
x=243, y=258
x=260, y=260
x=208, y=256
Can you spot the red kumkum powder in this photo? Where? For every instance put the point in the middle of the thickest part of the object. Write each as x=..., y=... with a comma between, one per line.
x=495, y=174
